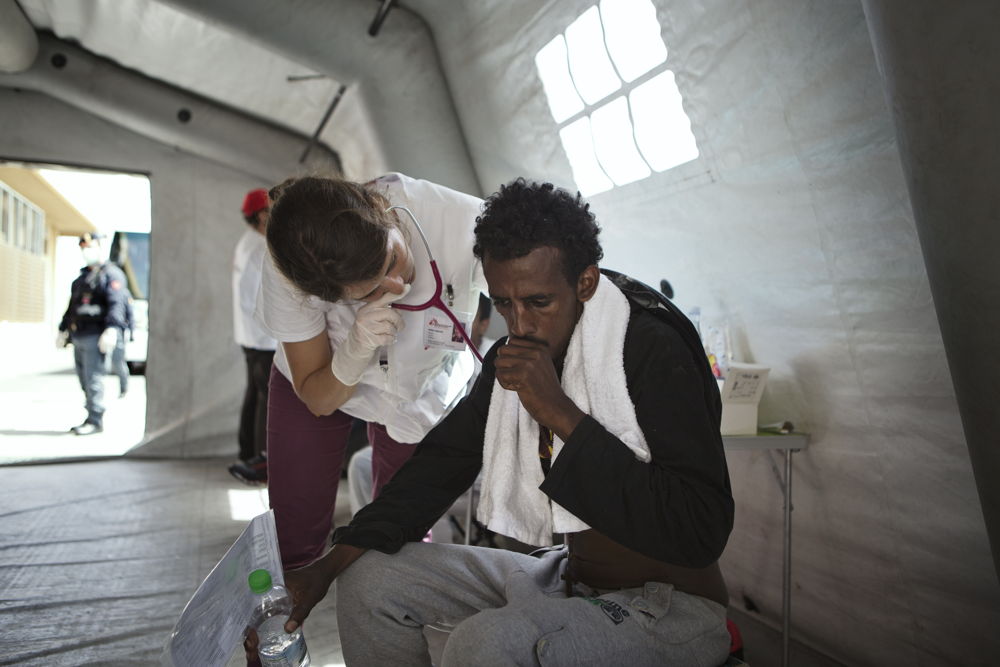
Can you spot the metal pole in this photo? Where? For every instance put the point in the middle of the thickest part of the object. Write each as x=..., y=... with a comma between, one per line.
x=322, y=122
x=786, y=585
x=383, y=11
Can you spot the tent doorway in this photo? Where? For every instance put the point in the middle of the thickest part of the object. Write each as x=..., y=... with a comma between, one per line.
x=44, y=209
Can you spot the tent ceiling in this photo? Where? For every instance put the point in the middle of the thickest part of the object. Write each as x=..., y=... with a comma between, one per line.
x=167, y=44
x=397, y=113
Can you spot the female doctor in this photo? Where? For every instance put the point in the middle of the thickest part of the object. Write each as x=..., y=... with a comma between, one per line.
x=342, y=262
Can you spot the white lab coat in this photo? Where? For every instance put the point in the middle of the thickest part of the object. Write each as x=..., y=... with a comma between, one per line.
x=415, y=387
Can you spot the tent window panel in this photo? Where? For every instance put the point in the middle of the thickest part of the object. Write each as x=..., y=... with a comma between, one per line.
x=578, y=143
x=553, y=69
x=632, y=34
x=589, y=63
x=662, y=128
x=615, y=145
x=644, y=128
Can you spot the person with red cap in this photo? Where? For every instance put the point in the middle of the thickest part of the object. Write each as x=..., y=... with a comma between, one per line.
x=258, y=346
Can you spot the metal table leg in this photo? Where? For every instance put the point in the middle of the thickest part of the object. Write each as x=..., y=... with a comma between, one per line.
x=786, y=584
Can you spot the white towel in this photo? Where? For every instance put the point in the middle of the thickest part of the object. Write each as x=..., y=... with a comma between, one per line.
x=511, y=502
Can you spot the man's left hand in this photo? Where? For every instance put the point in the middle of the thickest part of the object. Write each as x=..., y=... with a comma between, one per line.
x=526, y=367
x=308, y=585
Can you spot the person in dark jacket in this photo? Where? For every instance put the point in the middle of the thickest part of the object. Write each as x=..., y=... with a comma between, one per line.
x=119, y=365
x=94, y=322
x=597, y=418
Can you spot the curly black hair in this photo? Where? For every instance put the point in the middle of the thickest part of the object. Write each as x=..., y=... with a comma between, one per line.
x=526, y=215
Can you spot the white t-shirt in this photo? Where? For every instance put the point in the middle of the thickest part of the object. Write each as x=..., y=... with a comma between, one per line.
x=247, y=260
x=414, y=386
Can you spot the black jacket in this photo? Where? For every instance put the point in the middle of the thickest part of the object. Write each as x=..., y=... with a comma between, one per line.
x=98, y=300
x=678, y=508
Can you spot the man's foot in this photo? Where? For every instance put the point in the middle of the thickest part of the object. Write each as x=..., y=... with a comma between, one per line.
x=123, y=393
x=252, y=471
x=87, y=428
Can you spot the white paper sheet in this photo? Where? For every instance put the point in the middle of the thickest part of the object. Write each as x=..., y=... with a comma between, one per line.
x=214, y=620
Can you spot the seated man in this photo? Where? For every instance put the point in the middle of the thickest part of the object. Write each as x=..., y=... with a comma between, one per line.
x=599, y=419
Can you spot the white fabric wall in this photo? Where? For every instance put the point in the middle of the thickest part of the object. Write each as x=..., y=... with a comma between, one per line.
x=195, y=373
x=794, y=226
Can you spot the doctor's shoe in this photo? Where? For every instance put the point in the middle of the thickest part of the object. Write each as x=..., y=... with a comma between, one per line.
x=87, y=428
x=252, y=471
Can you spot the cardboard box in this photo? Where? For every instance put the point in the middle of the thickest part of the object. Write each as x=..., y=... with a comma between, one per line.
x=741, y=392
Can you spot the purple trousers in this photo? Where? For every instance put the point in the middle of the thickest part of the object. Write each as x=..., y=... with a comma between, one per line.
x=305, y=454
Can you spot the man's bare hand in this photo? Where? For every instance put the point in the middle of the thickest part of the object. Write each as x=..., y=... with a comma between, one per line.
x=250, y=644
x=308, y=586
x=526, y=367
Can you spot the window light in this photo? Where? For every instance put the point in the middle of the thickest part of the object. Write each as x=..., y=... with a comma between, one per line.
x=246, y=504
x=589, y=64
x=662, y=129
x=553, y=69
x=614, y=143
x=579, y=146
x=632, y=33
x=643, y=128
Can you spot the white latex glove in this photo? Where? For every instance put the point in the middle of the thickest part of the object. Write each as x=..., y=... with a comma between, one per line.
x=62, y=339
x=107, y=341
x=375, y=325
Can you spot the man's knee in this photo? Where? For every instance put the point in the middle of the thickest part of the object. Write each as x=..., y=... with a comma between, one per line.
x=368, y=581
x=492, y=636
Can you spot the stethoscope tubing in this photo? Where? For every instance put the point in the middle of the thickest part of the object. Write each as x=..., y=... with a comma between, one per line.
x=435, y=301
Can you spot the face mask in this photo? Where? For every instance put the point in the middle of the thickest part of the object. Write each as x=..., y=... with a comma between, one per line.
x=91, y=255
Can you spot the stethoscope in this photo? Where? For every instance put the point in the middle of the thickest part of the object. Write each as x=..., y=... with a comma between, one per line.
x=435, y=301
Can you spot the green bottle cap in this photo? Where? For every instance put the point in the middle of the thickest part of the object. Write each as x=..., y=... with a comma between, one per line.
x=260, y=581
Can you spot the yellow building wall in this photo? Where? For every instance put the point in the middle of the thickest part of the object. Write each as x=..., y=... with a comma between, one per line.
x=22, y=285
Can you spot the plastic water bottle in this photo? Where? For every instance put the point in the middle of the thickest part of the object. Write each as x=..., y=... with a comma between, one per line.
x=272, y=606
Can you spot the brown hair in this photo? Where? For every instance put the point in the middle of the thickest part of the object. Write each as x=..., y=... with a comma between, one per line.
x=325, y=234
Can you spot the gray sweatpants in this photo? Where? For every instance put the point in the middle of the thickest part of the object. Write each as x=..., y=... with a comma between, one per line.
x=505, y=608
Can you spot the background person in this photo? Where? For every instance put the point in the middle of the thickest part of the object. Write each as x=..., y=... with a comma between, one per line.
x=258, y=346
x=119, y=366
x=597, y=418
x=338, y=258
x=481, y=324
x=93, y=323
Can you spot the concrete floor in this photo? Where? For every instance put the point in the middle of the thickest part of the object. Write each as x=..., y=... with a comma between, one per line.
x=41, y=402
x=99, y=558
x=99, y=554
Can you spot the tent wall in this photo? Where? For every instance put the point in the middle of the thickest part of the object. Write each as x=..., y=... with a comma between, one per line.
x=949, y=144
x=794, y=226
x=195, y=373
